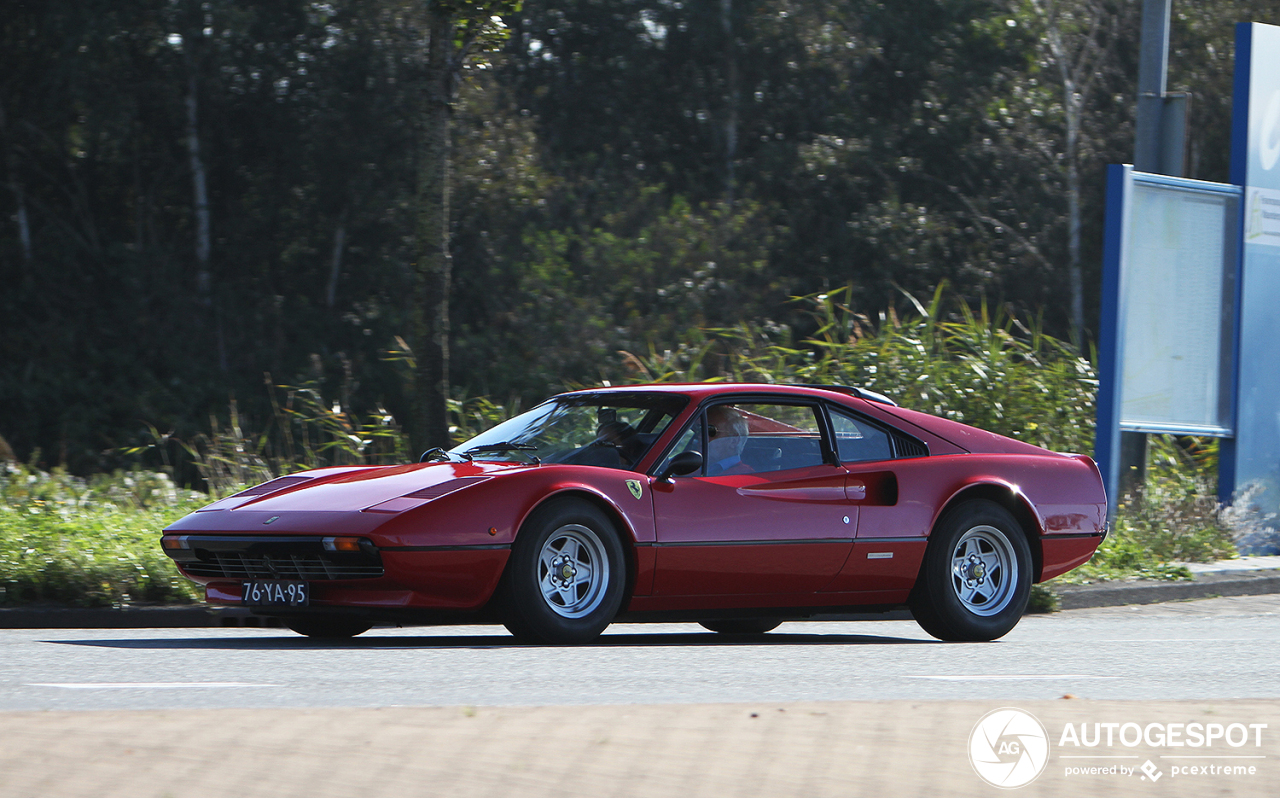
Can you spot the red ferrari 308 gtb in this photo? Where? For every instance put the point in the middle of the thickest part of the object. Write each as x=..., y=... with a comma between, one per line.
x=735, y=506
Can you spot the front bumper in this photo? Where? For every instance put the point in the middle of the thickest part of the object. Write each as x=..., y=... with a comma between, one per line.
x=309, y=558
x=426, y=577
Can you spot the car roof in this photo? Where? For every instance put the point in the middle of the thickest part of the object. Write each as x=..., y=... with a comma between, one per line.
x=703, y=390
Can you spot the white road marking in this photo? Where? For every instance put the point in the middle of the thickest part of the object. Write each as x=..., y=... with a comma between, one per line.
x=977, y=677
x=142, y=685
x=1180, y=640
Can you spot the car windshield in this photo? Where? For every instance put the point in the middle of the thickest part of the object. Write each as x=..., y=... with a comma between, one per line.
x=613, y=430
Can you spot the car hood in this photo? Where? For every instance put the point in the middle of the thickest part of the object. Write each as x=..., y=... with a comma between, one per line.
x=380, y=488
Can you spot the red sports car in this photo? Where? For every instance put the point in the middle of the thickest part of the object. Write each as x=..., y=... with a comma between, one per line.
x=735, y=506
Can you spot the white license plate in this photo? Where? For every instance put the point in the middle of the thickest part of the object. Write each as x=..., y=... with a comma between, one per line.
x=274, y=593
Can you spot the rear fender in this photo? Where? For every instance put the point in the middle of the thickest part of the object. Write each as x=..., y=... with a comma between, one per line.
x=1012, y=499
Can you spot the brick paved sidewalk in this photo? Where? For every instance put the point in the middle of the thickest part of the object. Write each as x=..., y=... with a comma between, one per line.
x=873, y=749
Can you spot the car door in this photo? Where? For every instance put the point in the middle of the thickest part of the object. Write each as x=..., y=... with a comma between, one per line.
x=770, y=518
x=885, y=468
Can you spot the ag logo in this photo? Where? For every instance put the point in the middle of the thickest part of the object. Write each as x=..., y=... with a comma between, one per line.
x=634, y=486
x=1008, y=748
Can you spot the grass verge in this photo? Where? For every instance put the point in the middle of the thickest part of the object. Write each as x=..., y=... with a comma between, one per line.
x=71, y=542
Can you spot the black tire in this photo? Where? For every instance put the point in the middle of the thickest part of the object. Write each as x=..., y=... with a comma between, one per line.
x=976, y=576
x=327, y=627
x=567, y=573
x=741, y=626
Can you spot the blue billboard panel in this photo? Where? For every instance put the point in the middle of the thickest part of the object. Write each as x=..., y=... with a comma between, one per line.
x=1251, y=464
x=1255, y=152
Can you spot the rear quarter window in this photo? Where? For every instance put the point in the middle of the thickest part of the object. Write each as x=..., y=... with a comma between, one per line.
x=858, y=441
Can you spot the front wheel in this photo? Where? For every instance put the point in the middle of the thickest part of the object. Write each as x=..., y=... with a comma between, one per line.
x=976, y=577
x=566, y=576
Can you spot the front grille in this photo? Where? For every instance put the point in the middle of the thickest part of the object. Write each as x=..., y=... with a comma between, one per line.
x=260, y=557
x=229, y=565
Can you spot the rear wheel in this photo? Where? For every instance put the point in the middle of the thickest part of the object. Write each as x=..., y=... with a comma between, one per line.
x=741, y=626
x=976, y=577
x=566, y=576
x=327, y=627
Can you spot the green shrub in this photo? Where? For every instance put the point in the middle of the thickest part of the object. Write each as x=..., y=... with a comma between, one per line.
x=89, y=543
x=986, y=369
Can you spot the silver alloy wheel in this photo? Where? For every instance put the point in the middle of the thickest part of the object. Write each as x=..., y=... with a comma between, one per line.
x=573, y=571
x=984, y=570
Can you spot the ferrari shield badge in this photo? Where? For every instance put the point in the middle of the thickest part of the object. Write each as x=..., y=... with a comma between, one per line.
x=634, y=486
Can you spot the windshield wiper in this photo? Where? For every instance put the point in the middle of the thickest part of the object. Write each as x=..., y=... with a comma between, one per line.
x=507, y=446
x=437, y=453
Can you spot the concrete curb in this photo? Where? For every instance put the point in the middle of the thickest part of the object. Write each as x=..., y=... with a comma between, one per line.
x=1072, y=597
x=1205, y=585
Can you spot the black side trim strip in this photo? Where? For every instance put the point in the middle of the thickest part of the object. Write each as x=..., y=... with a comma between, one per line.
x=1070, y=535
x=753, y=542
x=478, y=547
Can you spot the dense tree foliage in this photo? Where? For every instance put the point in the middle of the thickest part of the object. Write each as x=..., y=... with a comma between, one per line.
x=197, y=195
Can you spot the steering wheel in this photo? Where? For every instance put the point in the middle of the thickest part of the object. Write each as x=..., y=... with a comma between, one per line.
x=616, y=434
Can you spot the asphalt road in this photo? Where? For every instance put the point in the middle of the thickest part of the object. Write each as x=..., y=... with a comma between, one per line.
x=1215, y=649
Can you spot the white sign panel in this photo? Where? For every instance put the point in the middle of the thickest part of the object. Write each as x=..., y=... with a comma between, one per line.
x=1175, y=293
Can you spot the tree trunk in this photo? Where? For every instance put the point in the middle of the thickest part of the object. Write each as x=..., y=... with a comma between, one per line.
x=335, y=265
x=429, y=425
x=19, y=195
x=199, y=190
x=732, y=96
x=1074, y=269
x=1077, y=70
x=23, y=222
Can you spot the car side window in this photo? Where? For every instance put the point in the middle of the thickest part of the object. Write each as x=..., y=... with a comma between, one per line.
x=858, y=441
x=756, y=438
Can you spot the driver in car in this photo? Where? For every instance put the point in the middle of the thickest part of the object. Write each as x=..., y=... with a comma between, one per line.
x=726, y=436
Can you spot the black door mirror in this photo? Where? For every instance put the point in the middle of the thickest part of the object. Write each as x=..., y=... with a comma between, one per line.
x=681, y=465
